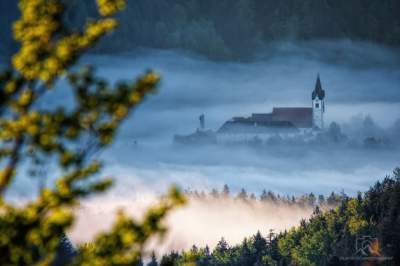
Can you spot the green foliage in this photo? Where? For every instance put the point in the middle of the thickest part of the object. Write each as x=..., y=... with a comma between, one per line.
x=327, y=236
x=30, y=234
x=320, y=241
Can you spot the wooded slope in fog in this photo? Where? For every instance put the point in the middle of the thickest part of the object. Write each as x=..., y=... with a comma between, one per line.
x=232, y=29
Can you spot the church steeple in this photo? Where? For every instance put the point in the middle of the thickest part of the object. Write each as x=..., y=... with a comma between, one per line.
x=318, y=104
x=318, y=91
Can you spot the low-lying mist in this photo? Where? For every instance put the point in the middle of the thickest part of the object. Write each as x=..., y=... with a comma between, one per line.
x=360, y=80
x=201, y=222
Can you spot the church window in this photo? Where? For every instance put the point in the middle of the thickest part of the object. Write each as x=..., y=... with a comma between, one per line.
x=317, y=105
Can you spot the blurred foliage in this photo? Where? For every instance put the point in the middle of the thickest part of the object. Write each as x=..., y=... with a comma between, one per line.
x=68, y=135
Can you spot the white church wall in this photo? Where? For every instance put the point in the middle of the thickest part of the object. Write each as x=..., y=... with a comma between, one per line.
x=318, y=119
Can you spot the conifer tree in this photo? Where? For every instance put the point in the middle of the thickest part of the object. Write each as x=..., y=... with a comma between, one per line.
x=33, y=136
x=242, y=195
x=153, y=261
x=225, y=191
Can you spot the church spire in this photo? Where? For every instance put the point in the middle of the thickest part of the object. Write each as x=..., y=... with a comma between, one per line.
x=318, y=104
x=318, y=91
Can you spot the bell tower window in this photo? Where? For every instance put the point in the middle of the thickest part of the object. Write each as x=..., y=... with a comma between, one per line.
x=317, y=105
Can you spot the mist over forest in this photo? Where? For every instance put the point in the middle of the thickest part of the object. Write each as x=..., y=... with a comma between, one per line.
x=256, y=56
x=362, y=99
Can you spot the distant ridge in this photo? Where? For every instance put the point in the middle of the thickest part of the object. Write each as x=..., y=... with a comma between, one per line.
x=244, y=27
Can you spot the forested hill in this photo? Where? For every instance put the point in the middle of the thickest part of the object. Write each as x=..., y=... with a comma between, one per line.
x=364, y=230
x=233, y=29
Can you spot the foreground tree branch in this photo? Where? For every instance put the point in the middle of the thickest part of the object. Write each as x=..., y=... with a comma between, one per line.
x=30, y=235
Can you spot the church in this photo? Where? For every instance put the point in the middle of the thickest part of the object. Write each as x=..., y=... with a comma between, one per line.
x=282, y=121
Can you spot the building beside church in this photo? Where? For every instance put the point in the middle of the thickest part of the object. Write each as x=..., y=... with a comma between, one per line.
x=282, y=121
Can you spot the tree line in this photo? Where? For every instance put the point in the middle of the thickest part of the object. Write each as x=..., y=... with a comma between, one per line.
x=268, y=196
x=234, y=30
x=328, y=238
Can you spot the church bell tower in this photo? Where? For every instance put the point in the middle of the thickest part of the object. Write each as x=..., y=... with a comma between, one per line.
x=318, y=105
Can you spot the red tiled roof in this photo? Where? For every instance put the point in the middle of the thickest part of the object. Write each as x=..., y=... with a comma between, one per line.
x=298, y=116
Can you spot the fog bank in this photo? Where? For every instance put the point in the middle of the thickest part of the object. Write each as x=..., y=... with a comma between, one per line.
x=200, y=222
x=360, y=79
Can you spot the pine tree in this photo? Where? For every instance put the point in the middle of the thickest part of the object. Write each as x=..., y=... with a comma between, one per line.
x=242, y=195
x=253, y=197
x=214, y=193
x=260, y=246
x=246, y=257
x=263, y=196
x=225, y=191
x=170, y=260
x=153, y=261
x=222, y=246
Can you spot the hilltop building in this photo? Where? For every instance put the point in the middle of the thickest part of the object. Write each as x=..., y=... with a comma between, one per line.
x=286, y=121
x=282, y=121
